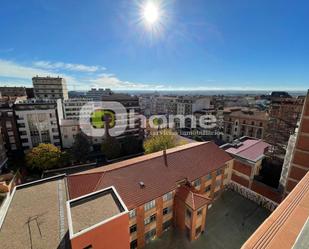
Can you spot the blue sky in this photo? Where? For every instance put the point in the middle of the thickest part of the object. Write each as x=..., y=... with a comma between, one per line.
x=196, y=44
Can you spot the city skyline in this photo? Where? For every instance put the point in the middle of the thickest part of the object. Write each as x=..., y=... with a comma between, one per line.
x=202, y=46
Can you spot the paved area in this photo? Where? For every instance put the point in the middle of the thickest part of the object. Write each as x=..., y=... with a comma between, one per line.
x=230, y=222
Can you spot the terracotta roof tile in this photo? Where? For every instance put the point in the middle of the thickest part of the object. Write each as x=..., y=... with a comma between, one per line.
x=191, y=198
x=190, y=161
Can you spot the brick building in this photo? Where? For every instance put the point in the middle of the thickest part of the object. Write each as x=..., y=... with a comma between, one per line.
x=299, y=164
x=122, y=205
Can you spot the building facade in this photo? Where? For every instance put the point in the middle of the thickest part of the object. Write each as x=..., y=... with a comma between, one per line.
x=3, y=155
x=299, y=158
x=239, y=122
x=37, y=122
x=70, y=108
x=9, y=128
x=68, y=130
x=97, y=94
x=9, y=91
x=50, y=87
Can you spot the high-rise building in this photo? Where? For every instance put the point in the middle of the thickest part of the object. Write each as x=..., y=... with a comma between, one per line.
x=37, y=122
x=50, y=87
x=12, y=91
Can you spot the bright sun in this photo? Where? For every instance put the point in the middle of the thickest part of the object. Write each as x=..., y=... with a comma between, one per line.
x=151, y=13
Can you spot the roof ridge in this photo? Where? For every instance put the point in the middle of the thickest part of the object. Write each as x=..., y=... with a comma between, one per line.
x=149, y=157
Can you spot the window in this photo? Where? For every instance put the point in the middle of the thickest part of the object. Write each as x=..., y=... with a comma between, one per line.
x=208, y=177
x=168, y=196
x=150, y=219
x=133, y=229
x=150, y=205
x=188, y=213
x=198, y=230
x=133, y=244
x=219, y=171
x=197, y=183
x=150, y=235
x=167, y=210
x=132, y=213
x=166, y=225
x=218, y=183
x=199, y=212
x=207, y=188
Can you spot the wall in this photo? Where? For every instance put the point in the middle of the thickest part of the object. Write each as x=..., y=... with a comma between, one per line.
x=112, y=235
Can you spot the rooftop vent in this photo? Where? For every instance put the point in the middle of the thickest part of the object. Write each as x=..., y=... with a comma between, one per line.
x=142, y=184
x=165, y=157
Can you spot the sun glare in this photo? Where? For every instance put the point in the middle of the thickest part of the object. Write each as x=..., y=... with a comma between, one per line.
x=151, y=13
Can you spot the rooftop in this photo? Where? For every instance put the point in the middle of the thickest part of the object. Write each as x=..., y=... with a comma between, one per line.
x=106, y=204
x=282, y=228
x=192, y=198
x=190, y=161
x=248, y=148
x=36, y=217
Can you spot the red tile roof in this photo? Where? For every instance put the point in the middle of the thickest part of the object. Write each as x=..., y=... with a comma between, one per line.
x=189, y=161
x=191, y=197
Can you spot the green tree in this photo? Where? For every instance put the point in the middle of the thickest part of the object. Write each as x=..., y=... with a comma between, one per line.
x=111, y=148
x=163, y=140
x=43, y=157
x=81, y=147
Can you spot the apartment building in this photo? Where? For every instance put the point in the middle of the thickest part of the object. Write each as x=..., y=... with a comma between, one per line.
x=284, y=115
x=239, y=122
x=50, y=87
x=37, y=122
x=298, y=165
x=97, y=94
x=9, y=128
x=68, y=129
x=71, y=108
x=187, y=105
x=12, y=91
x=121, y=205
x=165, y=105
x=3, y=155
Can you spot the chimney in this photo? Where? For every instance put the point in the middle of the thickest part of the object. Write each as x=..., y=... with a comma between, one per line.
x=141, y=184
x=165, y=158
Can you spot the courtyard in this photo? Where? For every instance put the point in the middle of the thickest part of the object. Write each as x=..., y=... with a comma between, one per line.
x=230, y=222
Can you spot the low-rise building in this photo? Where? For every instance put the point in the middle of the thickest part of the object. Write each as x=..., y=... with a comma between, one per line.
x=119, y=206
x=37, y=122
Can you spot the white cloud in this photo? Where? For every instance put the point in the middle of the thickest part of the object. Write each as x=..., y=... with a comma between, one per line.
x=111, y=81
x=67, y=66
x=13, y=73
x=10, y=69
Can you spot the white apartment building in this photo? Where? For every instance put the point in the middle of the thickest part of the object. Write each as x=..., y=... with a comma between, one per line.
x=187, y=105
x=70, y=108
x=37, y=123
x=165, y=105
x=50, y=87
x=69, y=129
